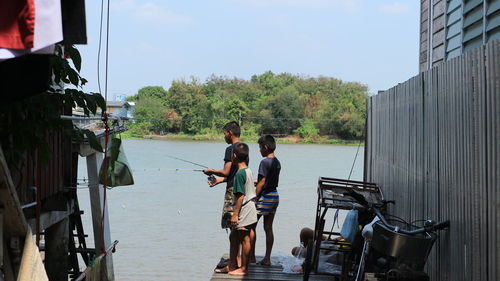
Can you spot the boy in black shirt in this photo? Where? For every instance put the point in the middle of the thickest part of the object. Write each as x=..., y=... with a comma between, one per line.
x=231, y=136
x=232, y=133
x=266, y=190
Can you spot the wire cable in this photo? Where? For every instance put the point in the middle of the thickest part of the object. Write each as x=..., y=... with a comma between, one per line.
x=99, y=49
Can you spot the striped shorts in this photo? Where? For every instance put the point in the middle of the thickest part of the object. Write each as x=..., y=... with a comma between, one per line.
x=268, y=203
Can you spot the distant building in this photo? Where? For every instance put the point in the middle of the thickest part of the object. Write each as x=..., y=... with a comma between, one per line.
x=119, y=108
x=131, y=110
x=449, y=28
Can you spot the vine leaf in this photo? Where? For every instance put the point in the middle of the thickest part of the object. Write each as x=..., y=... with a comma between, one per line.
x=91, y=103
x=93, y=142
x=75, y=57
x=73, y=76
x=100, y=101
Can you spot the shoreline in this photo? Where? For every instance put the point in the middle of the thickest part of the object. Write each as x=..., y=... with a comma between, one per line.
x=281, y=140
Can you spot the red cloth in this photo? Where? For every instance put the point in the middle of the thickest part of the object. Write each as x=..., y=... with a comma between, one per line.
x=17, y=24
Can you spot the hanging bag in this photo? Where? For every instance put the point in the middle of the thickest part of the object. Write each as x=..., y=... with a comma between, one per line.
x=119, y=171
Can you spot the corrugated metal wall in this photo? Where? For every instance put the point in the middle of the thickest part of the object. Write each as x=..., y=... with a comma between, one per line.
x=453, y=28
x=433, y=145
x=54, y=177
x=457, y=26
x=493, y=20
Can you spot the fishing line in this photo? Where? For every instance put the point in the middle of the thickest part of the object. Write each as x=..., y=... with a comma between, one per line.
x=350, y=173
x=354, y=162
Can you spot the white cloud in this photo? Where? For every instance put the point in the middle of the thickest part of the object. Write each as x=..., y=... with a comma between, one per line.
x=150, y=12
x=396, y=8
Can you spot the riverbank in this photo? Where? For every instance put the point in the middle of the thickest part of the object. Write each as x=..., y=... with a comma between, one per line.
x=282, y=140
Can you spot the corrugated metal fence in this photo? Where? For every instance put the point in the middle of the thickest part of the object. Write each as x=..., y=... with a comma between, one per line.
x=433, y=145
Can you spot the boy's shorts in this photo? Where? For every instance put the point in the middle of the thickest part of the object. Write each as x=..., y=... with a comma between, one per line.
x=227, y=209
x=268, y=203
x=247, y=227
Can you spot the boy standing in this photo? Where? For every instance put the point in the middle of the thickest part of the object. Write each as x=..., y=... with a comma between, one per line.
x=231, y=136
x=245, y=214
x=232, y=133
x=266, y=189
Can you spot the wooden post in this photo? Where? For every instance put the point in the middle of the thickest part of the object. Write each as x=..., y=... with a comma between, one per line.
x=56, y=250
x=96, y=190
x=1, y=239
x=7, y=268
x=14, y=222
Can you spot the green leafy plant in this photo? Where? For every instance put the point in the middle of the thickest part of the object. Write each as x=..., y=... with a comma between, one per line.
x=26, y=124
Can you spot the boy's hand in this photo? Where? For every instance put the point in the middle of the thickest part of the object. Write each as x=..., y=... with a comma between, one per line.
x=208, y=171
x=234, y=220
x=216, y=182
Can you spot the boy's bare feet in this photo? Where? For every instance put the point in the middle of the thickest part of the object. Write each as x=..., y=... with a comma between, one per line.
x=238, y=272
x=225, y=269
x=265, y=262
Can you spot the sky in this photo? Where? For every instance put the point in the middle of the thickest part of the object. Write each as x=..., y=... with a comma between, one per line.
x=153, y=42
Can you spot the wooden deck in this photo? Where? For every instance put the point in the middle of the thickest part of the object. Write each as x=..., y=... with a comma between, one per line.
x=268, y=273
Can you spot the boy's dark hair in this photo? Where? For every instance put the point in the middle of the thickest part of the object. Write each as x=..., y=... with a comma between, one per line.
x=241, y=151
x=233, y=127
x=268, y=141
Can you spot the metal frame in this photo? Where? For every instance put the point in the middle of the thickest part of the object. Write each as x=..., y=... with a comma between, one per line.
x=330, y=196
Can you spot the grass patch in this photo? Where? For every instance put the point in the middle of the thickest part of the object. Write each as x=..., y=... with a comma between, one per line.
x=293, y=139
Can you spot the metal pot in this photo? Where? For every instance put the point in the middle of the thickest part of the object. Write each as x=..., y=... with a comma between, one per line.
x=411, y=248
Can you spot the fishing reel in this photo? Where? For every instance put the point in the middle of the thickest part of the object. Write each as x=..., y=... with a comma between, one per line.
x=212, y=179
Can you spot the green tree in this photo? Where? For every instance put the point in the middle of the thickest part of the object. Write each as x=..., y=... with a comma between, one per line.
x=285, y=109
x=150, y=91
x=268, y=103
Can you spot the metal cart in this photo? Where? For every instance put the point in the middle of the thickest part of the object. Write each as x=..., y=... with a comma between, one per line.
x=331, y=196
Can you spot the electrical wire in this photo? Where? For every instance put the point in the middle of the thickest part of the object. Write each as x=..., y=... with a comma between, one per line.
x=99, y=49
x=104, y=113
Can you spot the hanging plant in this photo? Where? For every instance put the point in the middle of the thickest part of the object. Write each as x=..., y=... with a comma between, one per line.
x=26, y=124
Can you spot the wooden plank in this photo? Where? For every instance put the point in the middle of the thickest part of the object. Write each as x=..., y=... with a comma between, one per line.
x=50, y=218
x=99, y=211
x=438, y=53
x=14, y=220
x=1, y=239
x=56, y=249
x=438, y=25
x=258, y=272
x=439, y=8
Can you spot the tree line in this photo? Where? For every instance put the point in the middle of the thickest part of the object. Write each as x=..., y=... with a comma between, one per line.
x=279, y=104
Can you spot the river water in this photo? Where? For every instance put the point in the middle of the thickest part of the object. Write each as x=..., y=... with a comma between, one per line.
x=168, y=223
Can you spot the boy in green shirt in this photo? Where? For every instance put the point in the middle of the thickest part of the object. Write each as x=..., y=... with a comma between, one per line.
x=244, y=217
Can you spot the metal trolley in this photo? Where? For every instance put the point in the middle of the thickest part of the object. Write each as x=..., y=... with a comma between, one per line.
x=331, y=196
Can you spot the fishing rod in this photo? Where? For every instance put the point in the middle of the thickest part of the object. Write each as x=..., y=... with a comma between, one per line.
x=187, y=161
x=211, y=178
x=168, y=169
